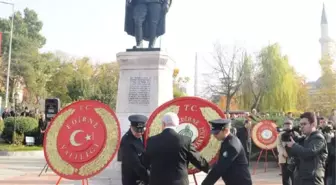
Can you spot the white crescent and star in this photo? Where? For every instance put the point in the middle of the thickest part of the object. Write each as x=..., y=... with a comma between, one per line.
x=73, y=135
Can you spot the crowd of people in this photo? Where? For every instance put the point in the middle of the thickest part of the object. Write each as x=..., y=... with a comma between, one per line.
x=307, y=153
x=33, y=113
x=26, y=113
x=166, y=157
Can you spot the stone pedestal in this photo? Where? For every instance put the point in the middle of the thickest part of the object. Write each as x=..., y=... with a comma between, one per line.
x=145, y=83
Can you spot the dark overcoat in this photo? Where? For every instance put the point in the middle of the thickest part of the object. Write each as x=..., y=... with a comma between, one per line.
x=168, y=155
x=312, y=157
x=131, y=154
x=129, y=23
x=232, y=164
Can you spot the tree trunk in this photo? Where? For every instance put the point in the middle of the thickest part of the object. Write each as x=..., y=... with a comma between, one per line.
x=228, y=103
x=256, y=101
x=12, y=91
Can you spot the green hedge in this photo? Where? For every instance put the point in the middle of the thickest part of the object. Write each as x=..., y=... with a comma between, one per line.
x=24, y=126
x=2, y=126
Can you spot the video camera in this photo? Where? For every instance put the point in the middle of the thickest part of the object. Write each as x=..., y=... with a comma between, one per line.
x=287, y=133
x=327, y=129
x=295, y=133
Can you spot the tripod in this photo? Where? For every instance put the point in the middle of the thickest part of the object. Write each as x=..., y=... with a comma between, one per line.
x=45, y=169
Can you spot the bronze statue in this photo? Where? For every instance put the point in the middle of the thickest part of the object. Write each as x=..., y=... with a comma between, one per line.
x=146, y=20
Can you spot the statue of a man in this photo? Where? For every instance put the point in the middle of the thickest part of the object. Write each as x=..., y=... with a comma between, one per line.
x=146, y=20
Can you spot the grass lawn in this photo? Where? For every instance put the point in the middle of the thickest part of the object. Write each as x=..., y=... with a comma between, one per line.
x=15, y=148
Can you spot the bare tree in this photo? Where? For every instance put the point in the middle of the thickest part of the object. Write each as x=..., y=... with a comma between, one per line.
x=256, y=84
x=227, y=72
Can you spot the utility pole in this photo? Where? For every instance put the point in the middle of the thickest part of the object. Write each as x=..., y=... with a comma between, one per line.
x=10, y=51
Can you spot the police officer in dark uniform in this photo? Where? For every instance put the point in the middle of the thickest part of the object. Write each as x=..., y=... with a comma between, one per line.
x=131, y=153
x=244, y=135
x=232, y=164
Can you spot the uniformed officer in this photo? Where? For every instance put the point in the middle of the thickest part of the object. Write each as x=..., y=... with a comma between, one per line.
x=232, y=164
x=131, y=153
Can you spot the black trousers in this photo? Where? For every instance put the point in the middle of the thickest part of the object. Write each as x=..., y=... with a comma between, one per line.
x=287, y=176
x=151, y=12
x=41, y=140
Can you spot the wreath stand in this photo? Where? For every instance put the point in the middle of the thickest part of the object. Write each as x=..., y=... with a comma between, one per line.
x=265, y=162
x=45, y=169
x=195, y=180
x=84, y=181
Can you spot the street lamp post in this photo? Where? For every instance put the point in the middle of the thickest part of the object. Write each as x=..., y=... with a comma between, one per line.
x=10, y=50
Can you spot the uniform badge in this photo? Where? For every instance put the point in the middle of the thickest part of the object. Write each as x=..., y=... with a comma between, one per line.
x=225, y=154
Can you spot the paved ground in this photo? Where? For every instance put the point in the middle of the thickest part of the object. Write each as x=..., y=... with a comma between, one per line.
x=24, y=171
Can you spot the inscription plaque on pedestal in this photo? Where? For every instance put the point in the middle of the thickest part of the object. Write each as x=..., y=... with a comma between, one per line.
x=139, y=91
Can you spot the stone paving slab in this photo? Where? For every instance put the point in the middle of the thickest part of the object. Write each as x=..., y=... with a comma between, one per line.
x=269, y=178
x=25, y=170
x=23, y=154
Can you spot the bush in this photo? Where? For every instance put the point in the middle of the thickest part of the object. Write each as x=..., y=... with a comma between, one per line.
x=238, y=122
x=18, y=139
x=2, y=126
x=24, y=126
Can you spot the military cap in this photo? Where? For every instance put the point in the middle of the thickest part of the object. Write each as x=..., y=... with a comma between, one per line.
x=138, y=121
x=219, y=124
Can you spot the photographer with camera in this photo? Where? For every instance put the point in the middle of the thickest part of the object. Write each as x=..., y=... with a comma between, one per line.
x=313, y=154
x=284, y=159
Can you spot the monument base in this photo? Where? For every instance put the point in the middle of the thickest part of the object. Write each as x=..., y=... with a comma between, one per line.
x=109, y=176
x=142, y=49
x=145, y=82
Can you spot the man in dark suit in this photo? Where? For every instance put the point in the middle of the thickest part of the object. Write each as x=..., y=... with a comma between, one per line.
x=232, y=164
x=131, y=153
x=312, y=154
x=244, y=135
x=169, y=153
